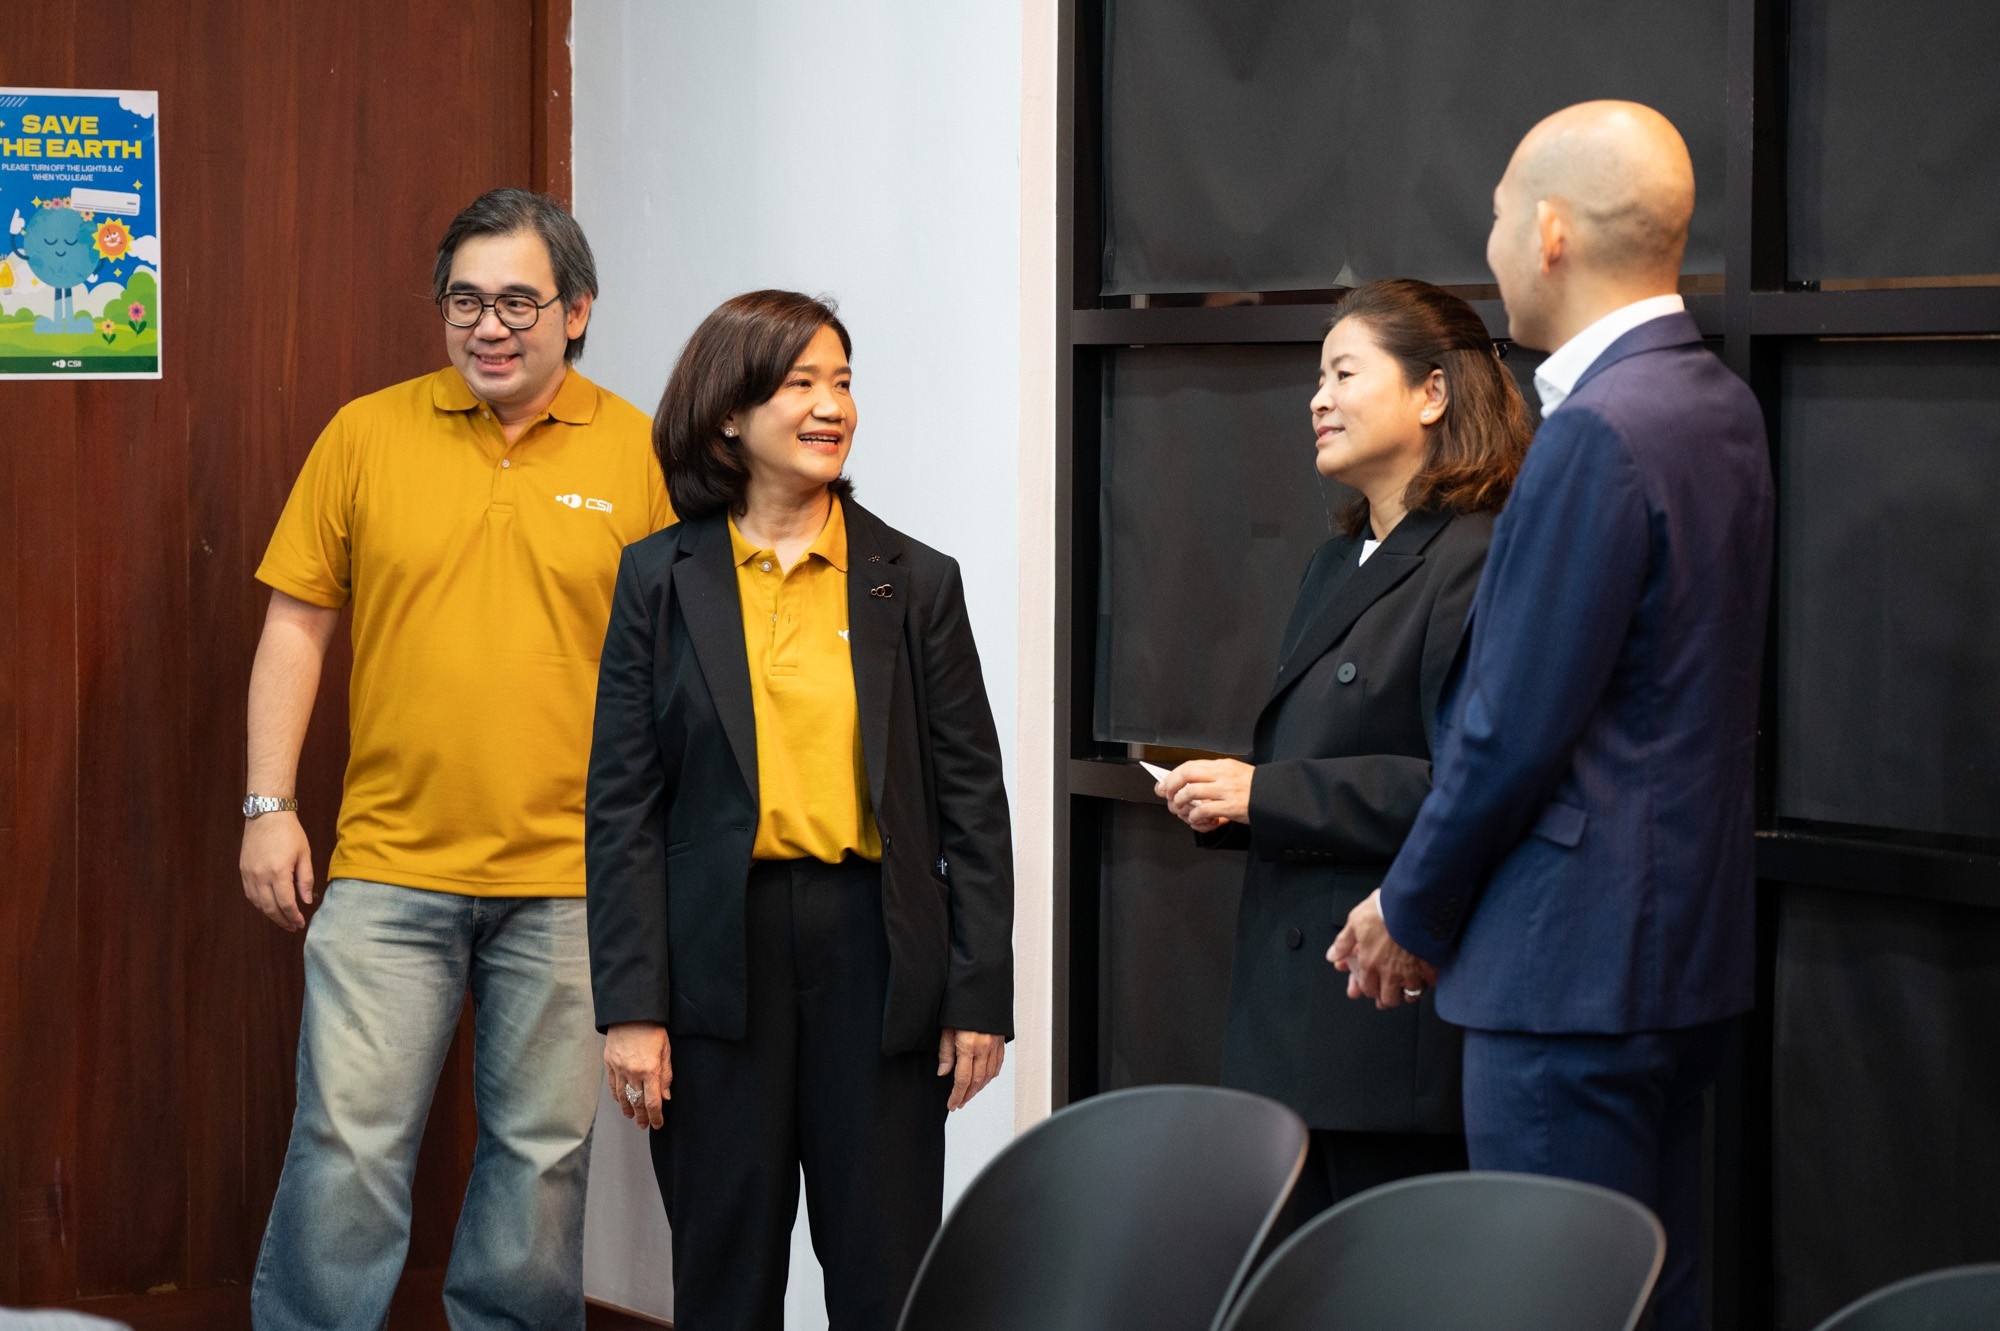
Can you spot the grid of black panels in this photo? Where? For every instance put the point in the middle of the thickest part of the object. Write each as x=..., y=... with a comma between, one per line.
x=1307, y=144
x=1232, y=166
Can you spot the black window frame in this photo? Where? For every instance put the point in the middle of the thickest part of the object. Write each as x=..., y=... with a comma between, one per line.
x=1754, y=314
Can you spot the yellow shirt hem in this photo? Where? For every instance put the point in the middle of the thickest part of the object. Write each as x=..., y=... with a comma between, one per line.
x=345, y=866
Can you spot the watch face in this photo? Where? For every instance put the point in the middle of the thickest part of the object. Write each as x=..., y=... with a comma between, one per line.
x=249, y=806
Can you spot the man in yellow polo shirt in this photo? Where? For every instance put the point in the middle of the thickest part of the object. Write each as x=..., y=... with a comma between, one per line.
x=473, y=518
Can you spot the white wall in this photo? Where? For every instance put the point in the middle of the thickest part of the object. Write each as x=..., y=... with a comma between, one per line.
x=866, y=149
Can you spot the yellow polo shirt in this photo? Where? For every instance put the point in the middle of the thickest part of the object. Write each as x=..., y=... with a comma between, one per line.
x=480, y=575
x=812, y=783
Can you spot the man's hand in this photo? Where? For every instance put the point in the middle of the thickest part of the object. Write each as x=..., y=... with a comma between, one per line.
x=276, y=862
x=638, y=1053
x=971, y=1059
x=277, y=869
x=1376, y=966
x=1208, y=792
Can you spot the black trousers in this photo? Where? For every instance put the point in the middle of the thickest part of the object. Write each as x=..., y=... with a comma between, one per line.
x=808, y=1086
x=1340, y=1165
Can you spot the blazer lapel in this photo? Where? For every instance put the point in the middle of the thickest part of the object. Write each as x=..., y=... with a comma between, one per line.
x=705, y=586
x=878, y=596
x=1322, y=580
x=1393, y=561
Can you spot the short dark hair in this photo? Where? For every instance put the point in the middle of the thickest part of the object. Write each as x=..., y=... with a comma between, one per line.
x=737, y=359
x=1474, y=451
x=502, y=212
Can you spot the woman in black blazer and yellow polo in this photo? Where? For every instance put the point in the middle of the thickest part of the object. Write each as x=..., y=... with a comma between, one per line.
x=1415, y=411
x=800, y=874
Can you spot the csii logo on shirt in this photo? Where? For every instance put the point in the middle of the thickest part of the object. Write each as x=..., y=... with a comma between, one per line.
x=578, y=501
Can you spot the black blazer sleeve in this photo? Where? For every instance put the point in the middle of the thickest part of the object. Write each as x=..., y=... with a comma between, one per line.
x=974, y=834
x=1235, y=836
x=1360, y=808
x=624, y=818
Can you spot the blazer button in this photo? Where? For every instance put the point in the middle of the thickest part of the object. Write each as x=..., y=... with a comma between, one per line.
x=1346, y=672
x=1295, y=938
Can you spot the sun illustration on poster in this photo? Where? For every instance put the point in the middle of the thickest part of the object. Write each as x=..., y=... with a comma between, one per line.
x=113, y=240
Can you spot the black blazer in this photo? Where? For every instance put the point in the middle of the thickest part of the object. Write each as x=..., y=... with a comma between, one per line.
x=1342, y=753
x=671, y=812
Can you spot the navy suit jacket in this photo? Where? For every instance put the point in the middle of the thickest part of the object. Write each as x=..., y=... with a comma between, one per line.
x=1584, y=861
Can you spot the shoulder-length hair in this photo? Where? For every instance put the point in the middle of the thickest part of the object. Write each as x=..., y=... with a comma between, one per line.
x=1474, y=451
x=737, y=359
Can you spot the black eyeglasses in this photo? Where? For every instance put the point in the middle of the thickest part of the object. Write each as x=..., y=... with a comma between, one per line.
x=462, y=309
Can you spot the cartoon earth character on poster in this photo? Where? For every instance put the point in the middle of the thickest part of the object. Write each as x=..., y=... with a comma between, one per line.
x=58, y=247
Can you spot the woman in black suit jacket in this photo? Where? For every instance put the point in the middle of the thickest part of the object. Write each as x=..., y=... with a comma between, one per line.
x=800, y=889
x=1416, y=413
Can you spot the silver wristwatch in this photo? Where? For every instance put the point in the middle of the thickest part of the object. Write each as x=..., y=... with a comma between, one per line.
x=256, y=806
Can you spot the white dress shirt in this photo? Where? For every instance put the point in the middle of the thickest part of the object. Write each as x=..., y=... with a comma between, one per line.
x=1369, y=547
x=1556, y=377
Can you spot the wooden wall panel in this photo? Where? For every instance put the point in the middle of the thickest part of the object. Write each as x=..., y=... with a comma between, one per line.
x=311, y=154
x=40, y=1088
x=550, y=123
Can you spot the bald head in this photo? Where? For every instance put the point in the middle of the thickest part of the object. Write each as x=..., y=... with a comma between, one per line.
x=1624, y=176
x=1592, y=215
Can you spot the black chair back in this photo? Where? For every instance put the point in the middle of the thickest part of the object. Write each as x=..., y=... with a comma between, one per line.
x=1963, y=1298
x=1496, y=1252
x=1138, y=1209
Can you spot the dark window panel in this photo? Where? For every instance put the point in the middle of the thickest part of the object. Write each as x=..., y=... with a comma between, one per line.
x=1210, y=511
x=1886, y=1143
x=1169, y=931
x=1311, y=143
x=1892, y=124
x=1888, y=569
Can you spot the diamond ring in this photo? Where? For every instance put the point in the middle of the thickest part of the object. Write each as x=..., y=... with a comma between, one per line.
x=633, y=1095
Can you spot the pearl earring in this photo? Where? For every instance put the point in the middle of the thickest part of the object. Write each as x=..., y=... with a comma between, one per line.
x=729, y=431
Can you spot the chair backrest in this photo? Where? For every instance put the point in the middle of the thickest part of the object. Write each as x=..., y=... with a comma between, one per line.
x=1136, y=1209
x=1963, y=1298
x=1501, y=1252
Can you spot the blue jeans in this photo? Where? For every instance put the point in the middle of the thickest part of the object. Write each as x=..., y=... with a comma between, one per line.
x=387, y=969
x=1621, y=1111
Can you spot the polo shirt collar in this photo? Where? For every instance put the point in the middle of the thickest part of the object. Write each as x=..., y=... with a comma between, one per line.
x=575, y=402
x=830, y=545
x=450, y=392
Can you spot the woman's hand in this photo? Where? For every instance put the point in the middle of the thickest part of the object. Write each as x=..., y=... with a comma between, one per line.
x=637, y=1053
x=1208, y=792
x=973, y=1057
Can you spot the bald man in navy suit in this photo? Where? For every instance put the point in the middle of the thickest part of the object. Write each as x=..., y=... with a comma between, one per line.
x=1579, y=885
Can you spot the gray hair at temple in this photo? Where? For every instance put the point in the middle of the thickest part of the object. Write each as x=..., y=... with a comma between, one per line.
x=502, y=212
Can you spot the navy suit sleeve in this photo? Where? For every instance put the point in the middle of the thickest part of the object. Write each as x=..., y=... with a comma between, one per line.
x=624, y=819
x=973, y=826
x=1564, y=577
